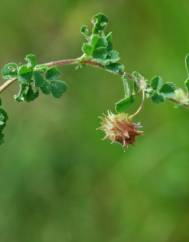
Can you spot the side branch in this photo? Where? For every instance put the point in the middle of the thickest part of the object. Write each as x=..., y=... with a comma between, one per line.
x=75, y=61
x=82, y=61
x=7, y=84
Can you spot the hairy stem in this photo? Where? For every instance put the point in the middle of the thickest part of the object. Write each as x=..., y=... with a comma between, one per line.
x=75, y=61
x=7, y=84
x=62, y=62
x=58, y=63
x=140, y=107
x=81, y=60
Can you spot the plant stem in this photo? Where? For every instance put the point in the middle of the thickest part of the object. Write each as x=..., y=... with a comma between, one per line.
x=62, y=62
x=73, y=62
x=58, y=63
x=140, y=107
x=126, y=85
x=7, y=84
x=81, y=60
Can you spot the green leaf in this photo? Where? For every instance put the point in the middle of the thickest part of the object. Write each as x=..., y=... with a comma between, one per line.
x=126, y=86
x=87, y=49
x=156, y=83
x=100, y=53
x=53, y=73
x=187, y=84
x=115, y=68
x=22, y=89
x=109, y=40
x=31, y=94
x=31, y=60
x=95, y=43
x=25, y=73
x=113, y=56
x=3, y=122
x=85, y=31
x=3, y=118
x=9, y=71
x=46, y=88
x=99, y=21
x=168, y=88
x=158, y=98
x=99, y=41
x=49, y=83
x=41, y=82
x=99, y=45
x=26, y=93
x=58, y=87
x=39, y=78
x=42, y=68
x=187, y=63
x=124, y=104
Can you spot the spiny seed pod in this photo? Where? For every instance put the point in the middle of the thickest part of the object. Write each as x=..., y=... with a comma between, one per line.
x=120, y=128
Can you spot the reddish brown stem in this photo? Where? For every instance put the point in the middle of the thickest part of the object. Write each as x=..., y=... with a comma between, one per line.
x=6, y=84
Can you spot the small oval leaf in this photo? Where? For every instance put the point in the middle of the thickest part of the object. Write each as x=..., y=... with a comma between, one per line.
x=124, y=104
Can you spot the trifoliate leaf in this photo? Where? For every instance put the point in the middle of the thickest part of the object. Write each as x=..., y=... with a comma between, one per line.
x=53, y=73
x=41, y=82
x=25, y=73
x=85, y=31
x=9, y=71
x=26, y=93
x=99, y=21
x=113, y=56
x=31, y=60
x=100, y=53
x=115, y=68
x=46, y=88
x=95, y=42
x=168, y=88
x=156, y=83
x=99, y=45
x=124, y=104
x=87, y=49
x=99, y=41
x=31, y=94
x=23, y=88
x=39, y=78
x=158, y=98
x=58, y=87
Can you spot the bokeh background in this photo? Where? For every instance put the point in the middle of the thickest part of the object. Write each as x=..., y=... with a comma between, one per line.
x=58, y=181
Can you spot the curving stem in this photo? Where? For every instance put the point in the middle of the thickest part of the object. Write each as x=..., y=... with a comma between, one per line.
x=140, y=107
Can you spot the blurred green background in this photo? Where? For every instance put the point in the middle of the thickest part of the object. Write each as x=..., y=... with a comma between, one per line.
x=58, y=181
